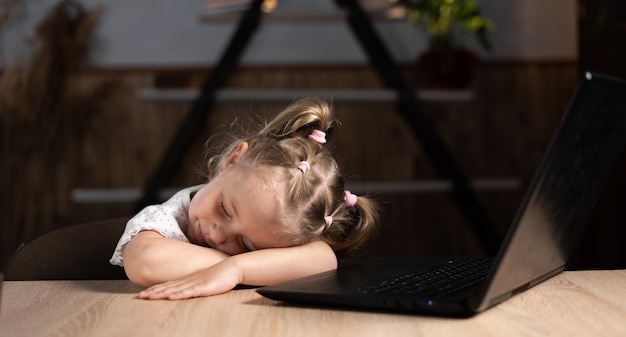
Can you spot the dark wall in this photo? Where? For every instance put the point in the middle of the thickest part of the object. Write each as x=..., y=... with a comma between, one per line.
x=602, y=36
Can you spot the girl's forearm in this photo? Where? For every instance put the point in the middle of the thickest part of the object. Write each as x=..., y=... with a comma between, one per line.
x=149, y=258
x=271, y=266
x=263, y=267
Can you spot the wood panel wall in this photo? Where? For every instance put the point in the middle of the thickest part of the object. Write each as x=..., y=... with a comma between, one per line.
x=501, y=132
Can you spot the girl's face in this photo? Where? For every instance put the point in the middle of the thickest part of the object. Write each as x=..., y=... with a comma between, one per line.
x=235, y=213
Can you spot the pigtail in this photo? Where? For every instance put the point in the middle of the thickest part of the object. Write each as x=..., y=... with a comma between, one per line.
x=352, y=226
x=300, y=119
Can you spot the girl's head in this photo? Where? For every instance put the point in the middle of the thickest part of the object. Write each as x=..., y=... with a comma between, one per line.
x=289, y=154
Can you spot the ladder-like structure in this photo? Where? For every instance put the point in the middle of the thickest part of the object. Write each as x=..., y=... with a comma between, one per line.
x=408, y=107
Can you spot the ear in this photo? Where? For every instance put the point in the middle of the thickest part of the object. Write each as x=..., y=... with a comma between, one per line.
x=234, y=156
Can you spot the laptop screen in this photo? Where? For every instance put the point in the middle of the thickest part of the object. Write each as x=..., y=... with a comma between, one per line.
x=566, y=187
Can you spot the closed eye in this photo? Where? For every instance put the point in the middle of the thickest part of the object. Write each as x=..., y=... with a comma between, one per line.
x=244, y=246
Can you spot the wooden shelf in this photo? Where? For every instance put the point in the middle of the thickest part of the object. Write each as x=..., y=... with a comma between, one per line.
x=271, y=95
x=390, y=14
x=122, y=195
x=428, y=186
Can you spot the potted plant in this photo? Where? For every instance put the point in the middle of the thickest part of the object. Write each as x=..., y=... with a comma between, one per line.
x=448, y=63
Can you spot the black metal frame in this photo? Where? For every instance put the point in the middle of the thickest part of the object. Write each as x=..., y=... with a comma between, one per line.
x=407, y=105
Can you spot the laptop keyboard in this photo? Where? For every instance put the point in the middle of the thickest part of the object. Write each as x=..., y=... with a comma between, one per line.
x=453, y=276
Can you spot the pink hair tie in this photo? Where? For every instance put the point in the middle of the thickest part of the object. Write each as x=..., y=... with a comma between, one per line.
x=349, y=198
x=304, y=166
x=318, y=136
x=328, y=220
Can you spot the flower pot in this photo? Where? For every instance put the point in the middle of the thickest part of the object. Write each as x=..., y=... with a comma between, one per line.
x=446, y=69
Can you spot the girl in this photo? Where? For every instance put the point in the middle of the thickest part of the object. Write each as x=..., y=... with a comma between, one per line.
x=274, y=209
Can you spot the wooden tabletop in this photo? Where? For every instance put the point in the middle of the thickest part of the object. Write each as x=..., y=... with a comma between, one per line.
x=580, y=303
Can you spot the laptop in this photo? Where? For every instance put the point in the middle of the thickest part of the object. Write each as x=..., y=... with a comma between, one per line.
x=549, y=223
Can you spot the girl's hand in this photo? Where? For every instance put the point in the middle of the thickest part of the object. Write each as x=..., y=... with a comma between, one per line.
x=218, y=279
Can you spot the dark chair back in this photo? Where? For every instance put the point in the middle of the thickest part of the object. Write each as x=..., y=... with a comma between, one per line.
x=79, y=252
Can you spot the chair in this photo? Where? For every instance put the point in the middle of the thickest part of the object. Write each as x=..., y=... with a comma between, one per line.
x=78, y=252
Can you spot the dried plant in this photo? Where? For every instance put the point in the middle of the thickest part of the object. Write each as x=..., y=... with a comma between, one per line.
x=6, y=8
x=45, y=110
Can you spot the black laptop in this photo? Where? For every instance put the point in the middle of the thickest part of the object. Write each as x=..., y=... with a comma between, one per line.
x=544, y=233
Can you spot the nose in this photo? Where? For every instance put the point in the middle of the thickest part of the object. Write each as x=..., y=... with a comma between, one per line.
x=217, y=235
x=224, y=241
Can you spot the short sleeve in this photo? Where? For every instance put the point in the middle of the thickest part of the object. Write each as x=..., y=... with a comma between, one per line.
x=168, y=219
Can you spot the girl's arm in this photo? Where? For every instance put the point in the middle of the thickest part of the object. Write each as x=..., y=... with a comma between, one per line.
x=262, y=267
x=150, y=258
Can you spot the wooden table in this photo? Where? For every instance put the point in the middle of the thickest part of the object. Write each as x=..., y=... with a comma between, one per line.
x=581, y=303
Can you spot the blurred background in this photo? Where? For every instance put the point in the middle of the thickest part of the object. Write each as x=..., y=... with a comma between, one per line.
x=92, y=94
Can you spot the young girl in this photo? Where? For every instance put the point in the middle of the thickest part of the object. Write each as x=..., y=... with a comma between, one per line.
x=274, y=209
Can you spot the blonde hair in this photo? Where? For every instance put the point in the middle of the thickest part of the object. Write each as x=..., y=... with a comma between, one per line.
x=311, y=194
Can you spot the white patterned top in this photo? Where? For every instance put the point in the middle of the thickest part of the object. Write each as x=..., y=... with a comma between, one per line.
x=170, y=219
